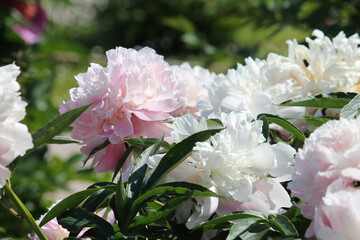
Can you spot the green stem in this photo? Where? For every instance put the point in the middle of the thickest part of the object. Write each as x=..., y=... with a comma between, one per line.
x=24, y=211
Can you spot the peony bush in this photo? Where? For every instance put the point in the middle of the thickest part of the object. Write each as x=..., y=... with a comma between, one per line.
x=269, y=150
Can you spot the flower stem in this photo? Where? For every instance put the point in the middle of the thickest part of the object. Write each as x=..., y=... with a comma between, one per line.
x=24, y=211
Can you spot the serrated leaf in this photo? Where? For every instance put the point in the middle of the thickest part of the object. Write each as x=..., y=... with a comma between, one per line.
x=146, y=142
x=162, y=212
x=284, y=124
x=330, y=100
x=45, y=134
x=239, y=227
x=177, y=154
x=67, y=203
x=62, y=140
x=284, y=225
x=220, y=221
x=352, y=109
x=78, y=218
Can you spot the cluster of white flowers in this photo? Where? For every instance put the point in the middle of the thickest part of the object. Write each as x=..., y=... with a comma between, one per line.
x=14, y=136
x=234, y=163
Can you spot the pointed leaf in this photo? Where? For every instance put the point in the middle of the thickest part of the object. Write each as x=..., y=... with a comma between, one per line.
x=67, y=203
x=78, y=218
x=265, y=126
x=239, y=227
x=162, y=212
x=284, y=124
x=177, y=154
x=62, y=140
x=223, y=220
x=284, y=225
x=97, y=199
x=146, y=142
x=45, y=134
x=122, y=160
x=330, y=100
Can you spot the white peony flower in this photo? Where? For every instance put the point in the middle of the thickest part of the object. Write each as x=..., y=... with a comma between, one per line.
x=232, y=163
x=14, y=136
x=255, y=87
x=327, y=65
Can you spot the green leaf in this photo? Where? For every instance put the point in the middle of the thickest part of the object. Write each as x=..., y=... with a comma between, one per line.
x=284, y=225
x=315, y=121
x=256, y=232
x=97, y=199
x=67, y=203
x=352, y=109
x=177, y=154
x=330, y=100
x=162, y=212
x=146, y=142
x=214, y=123
x=120, y=201
x=62, y=140
x=220, y=221
x=136, y=178
x=265, y=126
x=45, y=134
x=240, y=227
x=176, y=188
x=78, y=218
x=284, y=124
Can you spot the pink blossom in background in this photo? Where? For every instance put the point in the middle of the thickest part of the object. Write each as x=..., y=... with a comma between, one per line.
x=330, y=153
x=131, y=97
x=35, y=16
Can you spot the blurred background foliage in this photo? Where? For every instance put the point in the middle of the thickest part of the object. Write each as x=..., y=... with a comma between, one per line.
x=216, y=34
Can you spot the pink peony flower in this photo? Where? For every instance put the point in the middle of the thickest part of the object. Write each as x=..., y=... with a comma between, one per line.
x=15, y=138
x=330, y=153
x=338, y=215
x=191, y=84
x=130, y=97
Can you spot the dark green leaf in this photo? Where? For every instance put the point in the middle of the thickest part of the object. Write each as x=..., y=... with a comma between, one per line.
x=315, y=121
x=284, y=225
x=96, y=200
x=352, y=109
x=219, y=222
x=177, y=154
x=176, y=188
x=256, y=232
x=120, y=201
x=67, y=203
x=239, y=227
x=331, y=100
x=162, y=212
x=284, y=124
x=78, y=218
